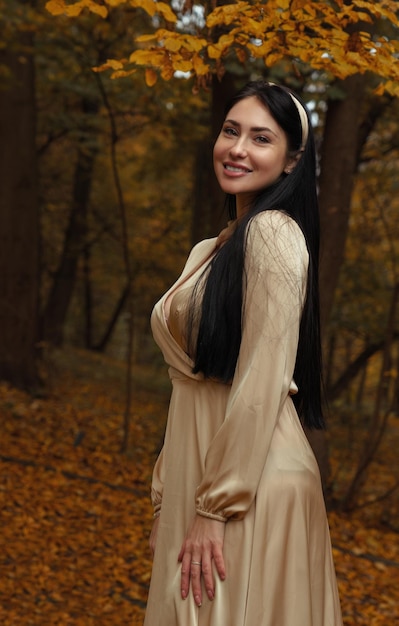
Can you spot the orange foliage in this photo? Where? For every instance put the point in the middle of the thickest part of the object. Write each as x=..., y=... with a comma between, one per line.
x=75, y=514
x=340, y=38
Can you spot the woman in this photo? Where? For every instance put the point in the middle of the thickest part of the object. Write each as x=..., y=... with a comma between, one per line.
x=241, y=536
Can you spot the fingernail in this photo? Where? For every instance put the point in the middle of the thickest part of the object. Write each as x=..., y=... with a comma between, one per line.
x=197, y=600
x=183, y=594
x=210, y=594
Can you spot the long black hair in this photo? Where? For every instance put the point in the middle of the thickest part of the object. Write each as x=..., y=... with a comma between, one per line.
x=220, y=316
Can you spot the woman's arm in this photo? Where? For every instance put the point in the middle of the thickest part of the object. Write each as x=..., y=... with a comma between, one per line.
x=276, y=275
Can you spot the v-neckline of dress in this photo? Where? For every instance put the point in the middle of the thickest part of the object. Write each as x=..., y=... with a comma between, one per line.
x=180, y=281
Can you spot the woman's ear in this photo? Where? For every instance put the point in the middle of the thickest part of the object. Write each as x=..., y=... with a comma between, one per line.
x=292, y=161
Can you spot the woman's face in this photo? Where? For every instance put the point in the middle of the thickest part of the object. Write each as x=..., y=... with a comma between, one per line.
x=250, y=152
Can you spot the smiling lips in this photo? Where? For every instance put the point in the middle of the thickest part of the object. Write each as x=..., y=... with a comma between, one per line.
x=234, y=169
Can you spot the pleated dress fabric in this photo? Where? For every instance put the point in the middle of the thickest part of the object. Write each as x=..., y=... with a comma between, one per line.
x=238, y=453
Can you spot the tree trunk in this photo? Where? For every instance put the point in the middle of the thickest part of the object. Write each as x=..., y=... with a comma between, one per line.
x=75, y=239
x=88, y=297
x=348, y=124
x=339, y=156
x=19, y=217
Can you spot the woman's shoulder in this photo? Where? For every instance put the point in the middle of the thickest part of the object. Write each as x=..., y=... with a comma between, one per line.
x=277, y=225
x=275, y=222
x=276, y=238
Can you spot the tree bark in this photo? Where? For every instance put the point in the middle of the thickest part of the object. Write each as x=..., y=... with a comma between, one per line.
x=349, y=122
x=339, y=156
x=19, y=217
x=56, y=310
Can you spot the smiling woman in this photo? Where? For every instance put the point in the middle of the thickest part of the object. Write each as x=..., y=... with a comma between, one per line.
x=241, y=535
x=250, y=153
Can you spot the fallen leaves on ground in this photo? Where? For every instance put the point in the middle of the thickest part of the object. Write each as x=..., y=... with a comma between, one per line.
x=75, y=513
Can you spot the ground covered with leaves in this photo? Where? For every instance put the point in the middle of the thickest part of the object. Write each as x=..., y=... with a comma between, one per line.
x=75, y=513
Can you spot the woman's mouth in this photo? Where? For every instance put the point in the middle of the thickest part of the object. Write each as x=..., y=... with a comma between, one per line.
x=236, y=169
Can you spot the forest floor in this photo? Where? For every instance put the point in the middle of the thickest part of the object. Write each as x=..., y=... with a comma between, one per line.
x=75, y=514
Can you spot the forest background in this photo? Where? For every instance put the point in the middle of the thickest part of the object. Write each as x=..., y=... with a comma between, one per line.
x=108, y=111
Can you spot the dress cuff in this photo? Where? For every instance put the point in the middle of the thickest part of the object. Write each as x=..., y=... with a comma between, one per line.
x=216, y=516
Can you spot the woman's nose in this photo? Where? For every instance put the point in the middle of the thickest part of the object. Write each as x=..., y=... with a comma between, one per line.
x=239, y=149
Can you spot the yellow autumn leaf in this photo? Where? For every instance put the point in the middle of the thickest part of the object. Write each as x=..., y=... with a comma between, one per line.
x=147, y=57
x=262, y=50
x=114, y=64
x=200, y=68
x=110, y=64
x=144, y=38
x=172, y=44
x=288, y=26
x=55, y=7
x=151, y=77
x=58, y=7
x=272, y=58
x=182, y=66
x=149, y=6
x=122, y=74
x=115, y=3
x=96, y=8
x=225, y=14
x=166, y=12
x=392, y=87
x=195, y=43
x=214, y=52
x=226, y=40
x=309, y=9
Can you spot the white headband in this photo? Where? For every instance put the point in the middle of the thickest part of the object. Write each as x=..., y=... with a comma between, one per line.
x=302, y=115
x=303, y=118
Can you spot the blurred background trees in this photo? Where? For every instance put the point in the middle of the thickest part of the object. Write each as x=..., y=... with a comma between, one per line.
x=105, y=183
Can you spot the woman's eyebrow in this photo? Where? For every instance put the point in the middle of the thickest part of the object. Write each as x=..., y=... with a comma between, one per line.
x=255, y=129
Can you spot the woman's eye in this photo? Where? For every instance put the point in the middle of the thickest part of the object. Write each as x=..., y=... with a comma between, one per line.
x=262, y=139
x=230, y=131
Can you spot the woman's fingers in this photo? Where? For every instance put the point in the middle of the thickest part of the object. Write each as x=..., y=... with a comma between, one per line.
x=219, y=562
x=195, y=570
x=207, y=573
x=185, y=573
x=203, y=544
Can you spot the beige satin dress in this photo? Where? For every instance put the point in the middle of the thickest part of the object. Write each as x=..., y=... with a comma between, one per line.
x=238, y=453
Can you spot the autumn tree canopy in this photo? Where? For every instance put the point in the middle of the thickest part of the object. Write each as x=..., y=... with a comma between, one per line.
x=341, y=37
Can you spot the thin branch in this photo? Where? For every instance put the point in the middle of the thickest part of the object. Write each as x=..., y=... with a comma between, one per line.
x=380, y=498
x=127, y=261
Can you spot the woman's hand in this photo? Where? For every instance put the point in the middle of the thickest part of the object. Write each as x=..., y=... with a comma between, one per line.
x=154, y=533
x=204, y=542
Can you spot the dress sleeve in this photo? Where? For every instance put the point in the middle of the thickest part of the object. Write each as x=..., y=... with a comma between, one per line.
x=276, y=274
